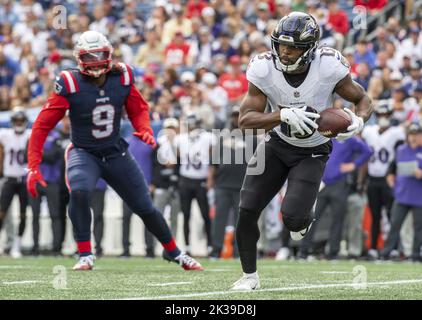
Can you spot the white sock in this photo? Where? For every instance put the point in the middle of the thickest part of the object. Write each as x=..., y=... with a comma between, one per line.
x=17, y=243
x=251, y=275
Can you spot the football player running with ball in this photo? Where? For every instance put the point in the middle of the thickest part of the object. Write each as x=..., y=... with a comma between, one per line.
x=96, y=94
x=297, y=80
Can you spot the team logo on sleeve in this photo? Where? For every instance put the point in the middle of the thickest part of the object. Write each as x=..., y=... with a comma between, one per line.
x=344, y=61
x=57, y=88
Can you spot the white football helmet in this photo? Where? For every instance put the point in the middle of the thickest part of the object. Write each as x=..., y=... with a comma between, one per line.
x=93, y=53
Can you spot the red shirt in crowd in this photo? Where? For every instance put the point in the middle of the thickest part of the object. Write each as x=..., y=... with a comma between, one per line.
x=176, y=54
x=194, y=8
x=235, y=85
x=339, y=21
x=371, y=4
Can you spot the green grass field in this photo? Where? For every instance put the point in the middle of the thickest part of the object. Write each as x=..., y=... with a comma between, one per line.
x=139, y=278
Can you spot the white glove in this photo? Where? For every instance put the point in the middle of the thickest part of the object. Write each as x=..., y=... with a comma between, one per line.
x=354, y=128
x=299, y=119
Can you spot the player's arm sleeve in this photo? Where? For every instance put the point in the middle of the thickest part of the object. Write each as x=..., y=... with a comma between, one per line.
x=52, y=112
x=138, y=111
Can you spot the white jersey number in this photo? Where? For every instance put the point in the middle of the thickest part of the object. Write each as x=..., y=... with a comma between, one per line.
x=103, y=119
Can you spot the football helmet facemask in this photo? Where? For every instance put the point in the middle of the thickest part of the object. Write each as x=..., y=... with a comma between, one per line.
x=93, y=53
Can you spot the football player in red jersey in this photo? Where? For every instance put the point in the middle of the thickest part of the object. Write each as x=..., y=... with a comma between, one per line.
x=95, y=95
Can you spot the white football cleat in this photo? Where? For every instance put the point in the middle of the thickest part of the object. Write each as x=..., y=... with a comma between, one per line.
x=282, y=254
x=296, y=236
x=15, y=253
x=246, y=283
x=85, y=263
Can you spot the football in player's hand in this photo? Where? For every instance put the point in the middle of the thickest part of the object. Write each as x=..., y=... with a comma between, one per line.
x=333, y=121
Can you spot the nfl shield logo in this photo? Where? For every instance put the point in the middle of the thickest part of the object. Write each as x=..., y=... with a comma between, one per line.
x=296, y=94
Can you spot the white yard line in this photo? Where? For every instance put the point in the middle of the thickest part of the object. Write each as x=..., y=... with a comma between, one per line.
x=218, y=270
x=335, y=272
x=168, y=284
x=316, y=286
x=20, y=282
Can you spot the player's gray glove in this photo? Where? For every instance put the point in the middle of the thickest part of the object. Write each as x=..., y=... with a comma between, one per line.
x=354, y=128
x=299, y=119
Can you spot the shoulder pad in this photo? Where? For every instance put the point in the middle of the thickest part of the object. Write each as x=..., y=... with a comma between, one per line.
x=259, y=69
x=126, y=77
x=66, y=83
x=333, y=66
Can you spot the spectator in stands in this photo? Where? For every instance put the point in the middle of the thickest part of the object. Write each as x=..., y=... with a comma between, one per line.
x=245, y=51
x=282, y=8
x=179, y=23
x=363, y=75
x=338, y=19
x=200, y=51
x=414, y=79
x=234, y=25
x=9, y=68
x=216, y=97
x=8, y=12
x=84, y=10
x=37, y=36
x=176, y=52
x=130, y=28
x=403, y=106
x=20, y=93
x=364, y=54
x=210, y=21
x=263, y=16
x=224, y=46
x=100, y=20
x=412, y=45
x=151, y=51
x=298, y=5
x=194, y=8
x=234, y=81
x=381, y=39
x=373, y=6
